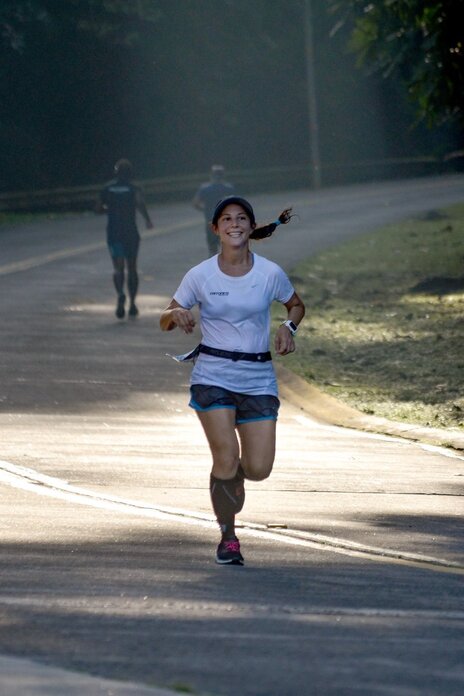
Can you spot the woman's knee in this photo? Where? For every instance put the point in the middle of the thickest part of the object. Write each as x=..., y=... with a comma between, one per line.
x=259, y=476
x=258, y=449
x=257, y=470
x=225, y=463
x=219, y=427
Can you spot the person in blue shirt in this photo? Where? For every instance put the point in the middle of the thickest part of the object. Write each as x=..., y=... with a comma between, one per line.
x=120, y=199
x=207, y=197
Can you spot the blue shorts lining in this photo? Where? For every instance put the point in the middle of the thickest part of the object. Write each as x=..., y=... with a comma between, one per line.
x=254, y=420
x=196, y=407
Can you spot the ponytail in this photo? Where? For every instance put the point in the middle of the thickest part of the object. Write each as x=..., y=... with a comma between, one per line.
x=267, y=230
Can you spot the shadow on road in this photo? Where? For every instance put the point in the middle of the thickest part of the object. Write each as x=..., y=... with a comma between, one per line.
x=152, y=606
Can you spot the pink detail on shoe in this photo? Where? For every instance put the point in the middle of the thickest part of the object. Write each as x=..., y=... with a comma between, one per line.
x=232, y=545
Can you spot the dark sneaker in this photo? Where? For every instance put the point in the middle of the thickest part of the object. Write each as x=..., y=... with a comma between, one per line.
x=133, y=311
x=228, y=551
x=120, y=311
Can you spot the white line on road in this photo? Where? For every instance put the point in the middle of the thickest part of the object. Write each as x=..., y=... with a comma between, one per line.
x=41, y=484
x=35, y=261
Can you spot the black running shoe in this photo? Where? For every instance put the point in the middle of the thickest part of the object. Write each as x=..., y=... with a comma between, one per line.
x=228, y=552
x=120, y=311
x=133, y=311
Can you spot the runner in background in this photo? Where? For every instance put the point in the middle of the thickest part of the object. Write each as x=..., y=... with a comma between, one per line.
x=120, y=199
x=207, y=197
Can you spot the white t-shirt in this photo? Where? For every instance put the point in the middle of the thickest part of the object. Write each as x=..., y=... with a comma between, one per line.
x=235, y=315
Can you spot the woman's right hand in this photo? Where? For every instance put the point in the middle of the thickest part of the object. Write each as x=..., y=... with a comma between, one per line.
x=184, y=319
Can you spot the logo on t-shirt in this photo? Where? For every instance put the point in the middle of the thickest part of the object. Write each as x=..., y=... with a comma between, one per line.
x=213, y=292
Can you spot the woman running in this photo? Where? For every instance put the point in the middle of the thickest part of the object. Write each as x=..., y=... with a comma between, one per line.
x=233, y=384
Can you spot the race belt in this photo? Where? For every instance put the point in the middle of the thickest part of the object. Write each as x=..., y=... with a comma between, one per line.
x=234, y=355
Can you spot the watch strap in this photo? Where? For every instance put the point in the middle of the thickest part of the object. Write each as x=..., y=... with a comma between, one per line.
x=293, y=328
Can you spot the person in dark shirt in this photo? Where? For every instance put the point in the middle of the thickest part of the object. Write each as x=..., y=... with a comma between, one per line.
x=207, y=197
x=121, y=199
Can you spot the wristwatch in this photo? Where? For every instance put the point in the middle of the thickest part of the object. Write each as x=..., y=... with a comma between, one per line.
x=293, y=328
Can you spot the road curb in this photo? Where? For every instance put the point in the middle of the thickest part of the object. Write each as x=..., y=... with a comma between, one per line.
x=326, y=409
x=25, y=677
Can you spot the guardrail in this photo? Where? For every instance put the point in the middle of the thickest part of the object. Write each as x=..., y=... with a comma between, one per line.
x=247, y=182
x=159, y=189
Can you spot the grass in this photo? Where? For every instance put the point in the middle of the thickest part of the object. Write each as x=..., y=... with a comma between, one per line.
x=385, y=321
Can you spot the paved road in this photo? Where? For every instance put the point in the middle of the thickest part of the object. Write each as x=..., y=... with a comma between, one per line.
x=354, y=558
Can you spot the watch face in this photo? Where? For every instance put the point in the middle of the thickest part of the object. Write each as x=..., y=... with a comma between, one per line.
x=293, y=326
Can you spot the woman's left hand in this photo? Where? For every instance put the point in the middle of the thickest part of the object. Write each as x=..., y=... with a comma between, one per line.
x=284, y=342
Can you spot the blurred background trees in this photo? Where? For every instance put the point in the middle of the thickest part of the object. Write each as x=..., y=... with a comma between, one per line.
x=175, y=85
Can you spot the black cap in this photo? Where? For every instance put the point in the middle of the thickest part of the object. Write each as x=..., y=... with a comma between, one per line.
x=233, y=200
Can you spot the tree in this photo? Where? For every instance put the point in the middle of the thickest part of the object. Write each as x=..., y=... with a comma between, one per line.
x=115, y=20
x=174, y=86
x=58, y=62
x=177, y=86
x=419, y=41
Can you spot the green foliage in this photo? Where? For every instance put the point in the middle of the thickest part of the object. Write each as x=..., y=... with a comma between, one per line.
x=422, y=42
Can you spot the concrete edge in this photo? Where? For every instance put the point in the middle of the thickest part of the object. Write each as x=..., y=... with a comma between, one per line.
x=20, y=676
x=326, y=409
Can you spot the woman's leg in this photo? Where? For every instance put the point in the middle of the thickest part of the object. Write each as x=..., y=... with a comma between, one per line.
x=257, y=439
x=258, y=442
x=219, y=427
x=227, y=491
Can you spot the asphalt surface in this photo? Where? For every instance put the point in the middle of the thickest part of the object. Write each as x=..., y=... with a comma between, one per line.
x=353, y=581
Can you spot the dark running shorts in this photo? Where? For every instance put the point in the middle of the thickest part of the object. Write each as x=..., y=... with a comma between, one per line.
x=127, y=249
x=247, y=408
